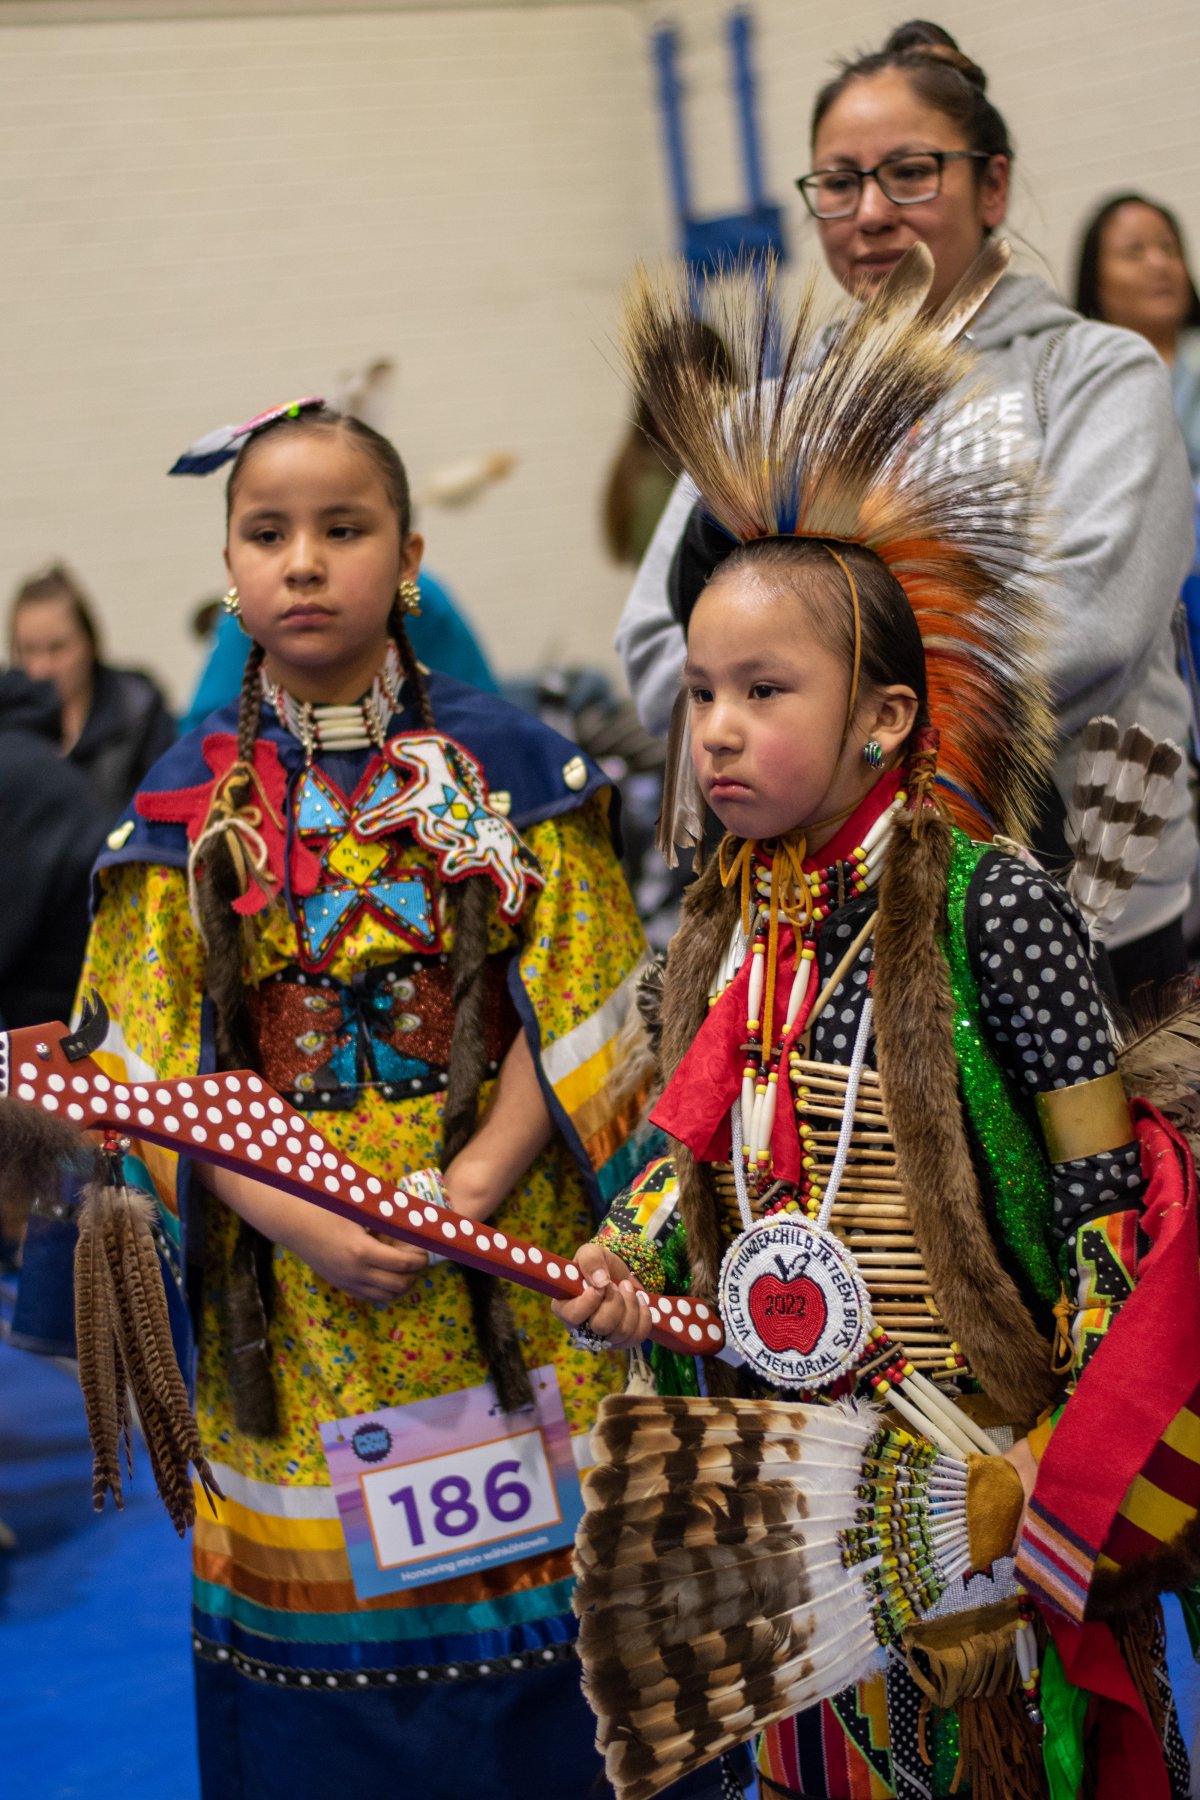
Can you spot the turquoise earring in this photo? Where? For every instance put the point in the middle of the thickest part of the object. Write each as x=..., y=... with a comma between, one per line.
x=873, y=753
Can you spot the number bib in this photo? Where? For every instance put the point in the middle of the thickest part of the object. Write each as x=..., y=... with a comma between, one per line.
x=452, y=1486
x=793, y=1302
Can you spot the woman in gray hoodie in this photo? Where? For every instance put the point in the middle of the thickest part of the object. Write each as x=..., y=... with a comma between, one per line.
x=907, y=146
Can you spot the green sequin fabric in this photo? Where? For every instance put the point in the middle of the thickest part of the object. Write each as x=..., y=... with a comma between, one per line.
x=1019, y=1170
x=675, y=1373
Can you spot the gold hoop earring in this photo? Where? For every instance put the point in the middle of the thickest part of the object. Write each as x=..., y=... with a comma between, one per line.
x=408, y=593
x=232, y=603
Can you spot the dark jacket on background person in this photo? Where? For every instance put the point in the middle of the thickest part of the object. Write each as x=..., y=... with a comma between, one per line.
x=51, y=831
x=125, y=733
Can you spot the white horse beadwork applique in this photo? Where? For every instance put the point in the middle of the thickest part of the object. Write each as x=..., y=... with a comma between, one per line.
x=444, y=803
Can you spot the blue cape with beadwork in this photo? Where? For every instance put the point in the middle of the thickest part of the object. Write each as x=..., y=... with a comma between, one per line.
x=543, y=772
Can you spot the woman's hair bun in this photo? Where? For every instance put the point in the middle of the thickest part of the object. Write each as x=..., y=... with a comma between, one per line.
x=921, y=37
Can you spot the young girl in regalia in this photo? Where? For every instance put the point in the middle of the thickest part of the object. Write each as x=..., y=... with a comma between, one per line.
x=902, y=1160
x=397, y=899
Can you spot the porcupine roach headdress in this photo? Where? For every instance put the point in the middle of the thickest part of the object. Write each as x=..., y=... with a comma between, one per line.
x=841, y=445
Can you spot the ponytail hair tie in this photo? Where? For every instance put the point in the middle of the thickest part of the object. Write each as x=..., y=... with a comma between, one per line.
x=920, y=777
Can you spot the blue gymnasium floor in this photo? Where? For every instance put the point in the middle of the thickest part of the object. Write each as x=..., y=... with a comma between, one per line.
x=95, y=1670
x=96, y=1683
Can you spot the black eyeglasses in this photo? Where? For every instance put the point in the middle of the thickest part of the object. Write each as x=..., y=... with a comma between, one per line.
x=904, y=180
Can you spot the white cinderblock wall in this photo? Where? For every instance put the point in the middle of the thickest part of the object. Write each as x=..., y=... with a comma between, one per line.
x=201, y=215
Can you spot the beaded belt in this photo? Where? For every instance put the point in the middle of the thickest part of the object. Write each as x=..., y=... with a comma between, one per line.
x=322, y=1042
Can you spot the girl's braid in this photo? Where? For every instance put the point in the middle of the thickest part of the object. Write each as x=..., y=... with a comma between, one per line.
x=247, y=1301
x=495, y=1327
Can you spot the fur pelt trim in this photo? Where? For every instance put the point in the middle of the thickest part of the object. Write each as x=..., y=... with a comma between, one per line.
x=35, y=1148
x=1166, y=1570
x=976, y=1296
x=707, y=918
x=709, y=914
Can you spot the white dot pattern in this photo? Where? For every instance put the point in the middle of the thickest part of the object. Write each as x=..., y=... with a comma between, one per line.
x=1045, y=1019
x=1037, y=994
x=241, y=1128
x=834, y=1030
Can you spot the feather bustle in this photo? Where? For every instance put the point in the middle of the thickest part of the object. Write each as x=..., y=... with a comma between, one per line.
x=1093, y=773
x=1158, y=1053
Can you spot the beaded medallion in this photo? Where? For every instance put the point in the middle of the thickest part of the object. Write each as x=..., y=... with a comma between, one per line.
x=793, y=1302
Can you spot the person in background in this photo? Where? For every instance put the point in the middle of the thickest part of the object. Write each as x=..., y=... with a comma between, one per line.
x=1133, y=271
x=906, y=148
x=115, y=722
x=440, y=636
x=52, y=835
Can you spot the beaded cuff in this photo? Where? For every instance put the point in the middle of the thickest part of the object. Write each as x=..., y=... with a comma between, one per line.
x=640, y=1258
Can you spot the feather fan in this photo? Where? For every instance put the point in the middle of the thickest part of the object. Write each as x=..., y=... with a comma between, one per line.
x=720, y=1587
x=1120, y=804
x=845, y=443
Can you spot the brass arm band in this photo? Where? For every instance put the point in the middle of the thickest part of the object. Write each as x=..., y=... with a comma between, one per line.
x=1085, y=1119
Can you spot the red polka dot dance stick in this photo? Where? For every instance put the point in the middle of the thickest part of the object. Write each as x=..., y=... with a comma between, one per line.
x=239, y=1122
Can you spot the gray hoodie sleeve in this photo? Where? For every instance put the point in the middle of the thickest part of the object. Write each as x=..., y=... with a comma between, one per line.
x=1121, y=522
x=650, y=640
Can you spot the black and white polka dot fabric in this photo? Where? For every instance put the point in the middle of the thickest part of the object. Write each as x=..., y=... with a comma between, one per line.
x=834, y=1030
x=1038, y=998
x=1039, y=1007
x=1043, y=1015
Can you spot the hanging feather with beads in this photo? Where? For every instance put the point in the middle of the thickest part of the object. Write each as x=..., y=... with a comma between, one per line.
x=739, y=1560
x=123, y=1341
x=1120, y=804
